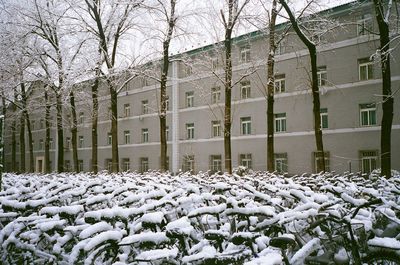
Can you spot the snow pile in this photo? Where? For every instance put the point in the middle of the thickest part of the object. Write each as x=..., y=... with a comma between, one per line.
x=156, y=219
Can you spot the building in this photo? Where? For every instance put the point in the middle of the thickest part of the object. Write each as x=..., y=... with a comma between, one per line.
x=350, y=85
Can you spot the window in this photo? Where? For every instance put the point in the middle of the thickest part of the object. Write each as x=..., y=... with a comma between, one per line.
x=216, y=128
x=214, y=63
x=280, y=122
x=145, y=106
x=127, y=137
x=215, y=95
x=365, y=69
x=145, y=135
x=110, y=114
x=245, y=90
x=81, y=118
x=127, y=110
x=364, y=25
x=80, y=165
x=41, y=123
x=367, y=114
x=324, y=118
x=369, y=161
x=51, y=143
x=189, y=99
x=167, y=133
x=67, y=165
x=126, y=164
x=280, y=48
x=144, y=164
x=32, y=125
x=80, y=142
x=189, y=130
x=245, y=160
x=109, y=138
x=188, y=70
x=167, y=103
x=108, y=165
x=281, y=162
x=245, y=54
x=280, y=86
x=317, y=158
x=144, y=81
x=322, y=76
x=41, y=144
x=68, y=143
x=245, y=125
x=188, y=163
x=215, y=163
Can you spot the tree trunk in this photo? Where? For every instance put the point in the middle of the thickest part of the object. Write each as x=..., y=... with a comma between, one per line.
x=74, y=131
x=387, y=105
x=95, y=117
x=314, y=87
x=270, y=90
x=47, y=167
x=22, y=144
x=163, y=89
x=114, y=128
x=60, y=134
x=228, y=96
x=4, y=110
x=30, y=143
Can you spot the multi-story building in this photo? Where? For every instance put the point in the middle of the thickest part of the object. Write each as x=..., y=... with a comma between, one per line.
x=350, y=89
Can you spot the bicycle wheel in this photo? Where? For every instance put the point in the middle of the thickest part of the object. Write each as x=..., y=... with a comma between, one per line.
x=382, y=258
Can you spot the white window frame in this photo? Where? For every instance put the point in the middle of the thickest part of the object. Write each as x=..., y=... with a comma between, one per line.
x=280, y=83
x=281, y=162
x=216, y=128
x=322, y=75
x=280, y=122
x=246, y=160
x=370, y=157
x=126, y=165
x=81, y=141
x=80, y=165
x=216, y=163
x=324, y=116
x=144, y=164
x=364, y=25
x=327, y=161
x=81, y=119
x=245, y=125
x=145, y=106
x=145, y=135
x=188, y=163
x=189, y=131
x=245, y=90
x=127, y=110
x=245, y=55
x=109, y=138
x=189, y=96
x=127, y=137
x=370, y=110
x=68, y=143
x=368, y=66
x=215, y=95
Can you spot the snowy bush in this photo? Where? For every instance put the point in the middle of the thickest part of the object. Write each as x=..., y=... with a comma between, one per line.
x=161, y=219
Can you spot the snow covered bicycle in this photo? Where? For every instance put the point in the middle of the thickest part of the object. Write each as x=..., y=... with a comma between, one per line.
x=345, y=241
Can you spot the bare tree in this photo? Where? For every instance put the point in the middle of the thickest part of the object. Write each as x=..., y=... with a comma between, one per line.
x=229, y=21
x=110, y=24
x=311, y=46
x=383, y=11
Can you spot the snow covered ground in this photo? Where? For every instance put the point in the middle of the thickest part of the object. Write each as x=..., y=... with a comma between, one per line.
x=156, y=218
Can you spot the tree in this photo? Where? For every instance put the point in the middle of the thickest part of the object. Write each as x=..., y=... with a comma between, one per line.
x=314, y=85
x=111, y=22
x=382, y=16
x=271, y=88
x=229, y=22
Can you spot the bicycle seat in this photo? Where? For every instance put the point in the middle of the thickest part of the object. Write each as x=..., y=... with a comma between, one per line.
x=282, y=242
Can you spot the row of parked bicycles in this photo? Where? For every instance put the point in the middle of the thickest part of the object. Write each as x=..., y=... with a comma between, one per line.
x=154, y=218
